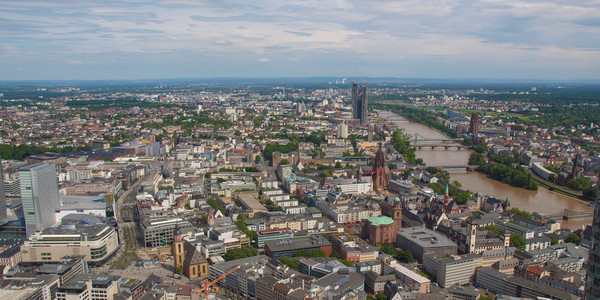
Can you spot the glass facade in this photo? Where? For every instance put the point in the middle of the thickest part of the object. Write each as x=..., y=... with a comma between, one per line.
x=39, y=193
x=592, y=286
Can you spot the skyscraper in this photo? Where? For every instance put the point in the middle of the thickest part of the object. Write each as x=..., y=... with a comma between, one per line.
x=39, y=193
x=592, y=281
x=3, y=219
x=359, y=103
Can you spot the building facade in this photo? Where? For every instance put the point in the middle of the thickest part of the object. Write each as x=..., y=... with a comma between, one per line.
x=381, y=172
x=3, y=219
x=592, y=286
x=39, y=193
x=97, y=242
x=187, y=258
x=359, y=103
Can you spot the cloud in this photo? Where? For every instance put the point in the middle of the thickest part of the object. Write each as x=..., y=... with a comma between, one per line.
x=310, y=37
x=298, y=33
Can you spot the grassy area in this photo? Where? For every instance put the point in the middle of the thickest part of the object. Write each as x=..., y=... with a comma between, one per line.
x=494, y=113
x=124, y=260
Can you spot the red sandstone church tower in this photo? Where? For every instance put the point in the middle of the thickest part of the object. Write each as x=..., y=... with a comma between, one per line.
x=381, y=173
x=474, y=124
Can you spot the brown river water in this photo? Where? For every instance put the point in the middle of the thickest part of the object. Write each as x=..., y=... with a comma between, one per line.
x=542, y=200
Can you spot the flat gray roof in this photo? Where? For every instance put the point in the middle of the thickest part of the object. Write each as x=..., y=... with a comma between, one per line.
x=425, y=237
x=298, y=243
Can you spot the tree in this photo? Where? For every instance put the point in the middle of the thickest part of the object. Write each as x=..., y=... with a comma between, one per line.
x=405, y=256
x=553, y=240
x=521, y=213
x=179, y=270
x=387, y=248
x=238, y=253
x=257, y=159
x=317, y=253
x=346, y=262
x=290, y=262
x=187, y=206
x=381, y=296
x=493, y=228
x=573, y=238
x=213, y=203
x=300, y=253
x=334, y=254
x=518, y=241
x=456, y=184
x=463, y=197
x=241, y=224
x=284, y=162
x=481, y=146
x=590, y=192
x=443, y=175
x=580, y=183
x=432, y=170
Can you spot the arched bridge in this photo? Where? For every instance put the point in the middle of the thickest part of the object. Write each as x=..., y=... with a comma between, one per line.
x=565, y=214
x=434, y=146
x=458, y=167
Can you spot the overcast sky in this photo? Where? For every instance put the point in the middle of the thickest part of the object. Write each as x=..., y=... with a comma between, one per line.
x=138, y=39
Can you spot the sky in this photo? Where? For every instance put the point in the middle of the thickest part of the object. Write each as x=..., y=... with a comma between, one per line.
x=450, y=39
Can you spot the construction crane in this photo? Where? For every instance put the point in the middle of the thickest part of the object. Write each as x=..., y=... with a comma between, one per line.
x=207, y=284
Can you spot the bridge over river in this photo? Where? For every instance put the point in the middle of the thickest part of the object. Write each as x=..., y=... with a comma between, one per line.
x=565, y=214
x=421, y=142
x=456, y=167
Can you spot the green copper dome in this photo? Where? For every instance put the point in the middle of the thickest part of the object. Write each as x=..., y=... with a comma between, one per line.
x=380, y=220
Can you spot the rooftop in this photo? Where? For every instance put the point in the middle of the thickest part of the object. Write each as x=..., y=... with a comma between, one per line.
x=425, y=237
x=340, y=282
x=299, y=243
x=380, y=220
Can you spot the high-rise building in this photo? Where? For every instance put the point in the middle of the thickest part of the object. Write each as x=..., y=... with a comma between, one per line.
x=359, y=103
x=592, y=284
x=342, y=131
x=474, y=124
x=39, y=194
x=3, y=219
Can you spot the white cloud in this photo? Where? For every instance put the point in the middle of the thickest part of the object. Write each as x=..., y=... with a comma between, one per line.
x=512, y=35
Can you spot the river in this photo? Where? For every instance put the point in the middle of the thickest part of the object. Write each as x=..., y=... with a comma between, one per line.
x=542, y=200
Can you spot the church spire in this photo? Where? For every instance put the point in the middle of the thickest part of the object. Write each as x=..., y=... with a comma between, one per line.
x=446, y=196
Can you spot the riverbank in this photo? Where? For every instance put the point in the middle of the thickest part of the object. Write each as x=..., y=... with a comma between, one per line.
x=542, y=201
x=558, y=190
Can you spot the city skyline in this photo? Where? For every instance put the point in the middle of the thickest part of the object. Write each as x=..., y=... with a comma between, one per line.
x=59, y=40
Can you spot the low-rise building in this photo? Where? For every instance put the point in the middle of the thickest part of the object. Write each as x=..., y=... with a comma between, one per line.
x=422, y=241
x=287, y=247
x=336, y=284
x=453, y=269
x=89, y=287
x=97, y=242
x=374, y=283
x=409, y=279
